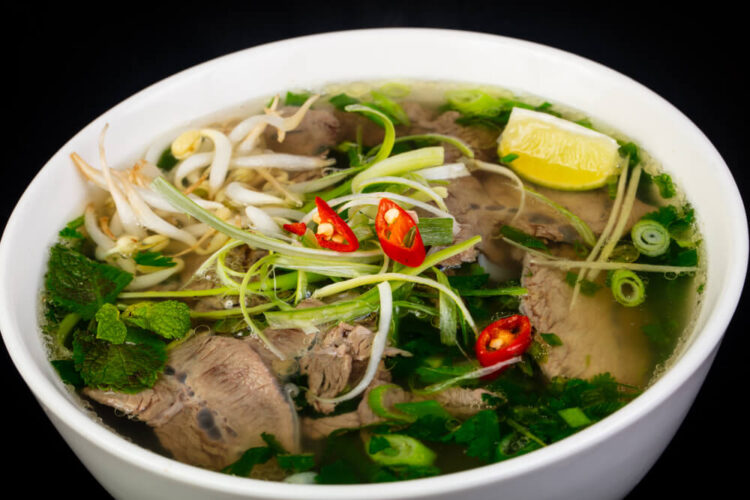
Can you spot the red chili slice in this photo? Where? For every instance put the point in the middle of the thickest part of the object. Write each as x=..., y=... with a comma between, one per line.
x=342, y=238
x=502, y=340
x=297, y=228
x=398, y=234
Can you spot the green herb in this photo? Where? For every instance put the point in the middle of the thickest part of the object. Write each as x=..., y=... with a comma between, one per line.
x=585, y=122
x=67, y=370
x=481, y=434
x=81, y=285
x=376, y=444
x=436, y=231
x=166, y=160
x=629, y=150
x=70, y=229
x=169, y=319
x=522, y=238
x=664, y=183
x=273, y=443
x=389, y=107
x=508, y=158
x=341, y=101
x=129, y=367
x=153, y=259
x=551, y=339
x=108, y=325
x=293, y=99
x=296, y=463
x=252, y=457
x=338, y=472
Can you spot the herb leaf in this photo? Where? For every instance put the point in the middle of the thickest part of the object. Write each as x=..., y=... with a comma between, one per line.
x=81, y=285
x=108, y=325
x=169, y=319
x=153, y=259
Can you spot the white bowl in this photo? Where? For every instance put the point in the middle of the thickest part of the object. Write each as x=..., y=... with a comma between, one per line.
x=603, y=461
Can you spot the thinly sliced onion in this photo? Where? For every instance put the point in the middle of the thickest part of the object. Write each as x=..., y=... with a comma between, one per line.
x=444, y=172
x=283, y=161
x=153, y=279
x=342, y=286
x=482, y=372
x=427, y=190
x=239, y=194
x=377, y=349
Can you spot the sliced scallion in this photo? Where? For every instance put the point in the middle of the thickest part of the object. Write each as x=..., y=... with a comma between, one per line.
x=650, y=238
x=627, y=288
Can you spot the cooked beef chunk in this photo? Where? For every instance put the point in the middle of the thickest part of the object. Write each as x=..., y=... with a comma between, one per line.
x=331, y=363
x=485, y=201
x=318, y=132
x=212, y=404
x=598, y=335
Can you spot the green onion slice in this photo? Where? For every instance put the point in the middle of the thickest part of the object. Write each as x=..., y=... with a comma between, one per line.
x=627, y=288
x=650, y=238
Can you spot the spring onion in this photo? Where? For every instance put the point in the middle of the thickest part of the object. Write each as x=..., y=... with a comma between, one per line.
x=402, y=450
x=401, y=164
x=627, y=288
x=463, y=148
x=375, y=400
x=650, y=238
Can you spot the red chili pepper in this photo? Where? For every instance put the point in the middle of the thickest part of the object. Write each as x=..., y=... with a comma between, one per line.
x=297, y=228
x=342, y=238
x=502, y=340
x=398, y=234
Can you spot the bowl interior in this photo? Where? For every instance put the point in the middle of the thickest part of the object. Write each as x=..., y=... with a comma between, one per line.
x=57, y=193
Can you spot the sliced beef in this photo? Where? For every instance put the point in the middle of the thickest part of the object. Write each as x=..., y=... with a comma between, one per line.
x=598, y=335
x=339, y=355
x=212, y=403
x=481, y=139
x=460, y=402
x=485, y=201
x=318, y=132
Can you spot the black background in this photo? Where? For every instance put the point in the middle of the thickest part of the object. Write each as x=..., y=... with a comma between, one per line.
x=66, y=67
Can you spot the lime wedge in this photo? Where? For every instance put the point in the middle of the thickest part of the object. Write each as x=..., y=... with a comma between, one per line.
x=557, y=153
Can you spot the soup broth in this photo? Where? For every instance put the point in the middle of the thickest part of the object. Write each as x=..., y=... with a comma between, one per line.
x=380, y=281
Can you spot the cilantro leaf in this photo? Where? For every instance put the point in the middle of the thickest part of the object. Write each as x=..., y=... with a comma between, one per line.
x=664, y=183
x=252, y=457
x=481, y=433
x=153, y=259
x=129, y=367
x=169, y=319
x=166, y=160
x=82, y=285
x=293, y=99
x=296, y=463
x=522, y=238
x=630, y=150
x=108, y=325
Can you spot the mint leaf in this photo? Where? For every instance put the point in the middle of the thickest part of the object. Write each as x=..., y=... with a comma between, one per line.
x=129, y=367
x=67, y=370
x=82, y=285
x=153, y=259
x=108, y=325
x=296, y=463
x=169, y=319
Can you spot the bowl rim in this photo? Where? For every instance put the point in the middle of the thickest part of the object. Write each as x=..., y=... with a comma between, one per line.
x=700, y=350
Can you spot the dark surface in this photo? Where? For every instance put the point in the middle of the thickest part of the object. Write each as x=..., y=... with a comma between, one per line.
x=65, y=70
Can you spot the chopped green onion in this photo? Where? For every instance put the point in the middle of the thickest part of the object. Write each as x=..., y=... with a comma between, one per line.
x=400, y=164
x=448, y=320
x=627, y=288
x=473, y=102
x=650, y=238
x=463, y=148
x=390, y=132
x=402, y=450
x=391, y=107
x=375, y=400
x=574, y=417
x=436, y=231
